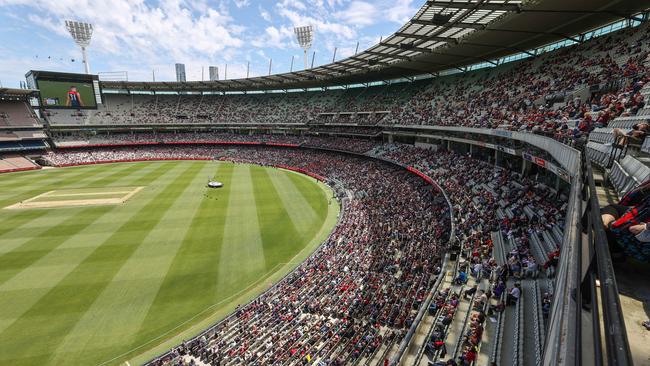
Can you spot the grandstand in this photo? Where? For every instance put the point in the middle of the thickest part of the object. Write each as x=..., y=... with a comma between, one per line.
x=471, y=157
x=21, y=131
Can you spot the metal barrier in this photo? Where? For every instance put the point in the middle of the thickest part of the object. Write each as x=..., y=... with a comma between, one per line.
x=568, y=157
x=617, y=348
x=561, y=346
x=575, y=284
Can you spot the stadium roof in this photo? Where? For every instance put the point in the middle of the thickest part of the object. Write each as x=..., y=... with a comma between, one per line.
x=442, y=35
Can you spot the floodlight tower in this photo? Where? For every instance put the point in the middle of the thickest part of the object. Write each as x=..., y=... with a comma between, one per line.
x=81, y=33
x=305, y=36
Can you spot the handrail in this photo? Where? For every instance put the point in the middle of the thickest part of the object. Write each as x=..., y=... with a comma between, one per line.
x=424, y=308
x=566, y=155
x=561, y=346
x=616, y=342
x=466, y=324
x=495, y=355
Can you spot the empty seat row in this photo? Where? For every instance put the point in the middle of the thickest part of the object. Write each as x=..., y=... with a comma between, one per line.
x=627, y=122
x=602, y=135
x=627, y=174
x=646, y=146
x=538, y=250
x=598, y=153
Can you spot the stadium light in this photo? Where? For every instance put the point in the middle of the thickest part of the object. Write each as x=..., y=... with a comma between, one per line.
x=81, y=33
x=305, y=36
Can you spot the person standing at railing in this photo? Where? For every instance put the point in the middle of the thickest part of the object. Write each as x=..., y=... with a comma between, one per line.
x=626, y=224
x=637, y=135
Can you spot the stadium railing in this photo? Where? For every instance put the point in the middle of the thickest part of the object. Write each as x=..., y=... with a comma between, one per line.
x=568, y=157
x=605, y=296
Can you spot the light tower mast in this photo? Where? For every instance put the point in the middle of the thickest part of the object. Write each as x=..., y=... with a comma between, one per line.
x=81, y=33
x=305, y=36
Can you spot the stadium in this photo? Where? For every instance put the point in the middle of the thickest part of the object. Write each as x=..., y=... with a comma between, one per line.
x=473, y=189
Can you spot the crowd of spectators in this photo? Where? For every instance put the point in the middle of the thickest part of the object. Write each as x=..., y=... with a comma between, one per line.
x=481, y=195
x=360, y=290
x=565, y=93
x=340, y=143
x=536, y=94
x=75, y=139
x=383, y=256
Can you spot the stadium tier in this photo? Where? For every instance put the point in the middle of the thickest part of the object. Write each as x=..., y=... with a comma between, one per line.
x=591, y=82
x=487, y=215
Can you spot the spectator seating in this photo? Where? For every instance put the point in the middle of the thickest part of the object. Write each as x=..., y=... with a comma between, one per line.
x=473, y=99
x=599, y=154
x=627, y=174
x=13, y=163
x=17, y=113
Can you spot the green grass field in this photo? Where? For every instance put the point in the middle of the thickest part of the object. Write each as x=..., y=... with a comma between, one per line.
x=106, y=284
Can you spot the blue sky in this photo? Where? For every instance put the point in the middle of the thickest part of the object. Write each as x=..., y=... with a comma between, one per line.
x=139, y=36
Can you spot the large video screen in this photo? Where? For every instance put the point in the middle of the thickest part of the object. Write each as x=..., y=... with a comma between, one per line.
x=67, y=94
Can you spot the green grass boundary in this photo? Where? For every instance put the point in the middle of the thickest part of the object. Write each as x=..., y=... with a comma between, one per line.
x=211, y=316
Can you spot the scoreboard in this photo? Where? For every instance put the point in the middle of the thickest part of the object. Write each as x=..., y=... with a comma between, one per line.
x=60, y=90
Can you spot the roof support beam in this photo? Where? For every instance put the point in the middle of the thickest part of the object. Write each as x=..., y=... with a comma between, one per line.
x=271, y=79
x=500, y=47
x=534, y=32
x=345, y=65
x=407, y=58
x=368, y=61
x=425, y=37
x=413, y=48
x=484, y=6
x=314, y=71
x=449, y=25
x=338, y=72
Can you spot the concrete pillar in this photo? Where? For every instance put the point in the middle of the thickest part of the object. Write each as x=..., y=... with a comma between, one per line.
x=524, y=165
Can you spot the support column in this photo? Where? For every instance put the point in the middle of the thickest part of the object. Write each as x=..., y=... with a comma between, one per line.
x=524, y=165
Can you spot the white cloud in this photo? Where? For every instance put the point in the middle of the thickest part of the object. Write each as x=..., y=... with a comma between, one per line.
x=274, y=38
x=402, y=11
x=359, y=13
x=147, y=30
x=241, y=3
x=265, y=14
x=141, y=35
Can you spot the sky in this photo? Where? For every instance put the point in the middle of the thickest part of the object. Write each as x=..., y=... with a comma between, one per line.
x=146, y=37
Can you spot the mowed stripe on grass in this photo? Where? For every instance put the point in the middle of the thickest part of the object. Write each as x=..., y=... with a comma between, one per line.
x=119, y=280
x=242, y=256
x=195, y=263
x=279, y=232
x=62, y=225
x=134, y=287
x=55, y=313
x=25, y=288
x=14, y=220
